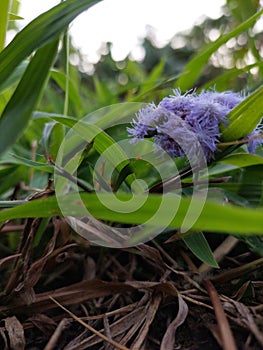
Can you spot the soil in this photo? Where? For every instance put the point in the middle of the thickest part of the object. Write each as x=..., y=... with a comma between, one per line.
x=62, y=293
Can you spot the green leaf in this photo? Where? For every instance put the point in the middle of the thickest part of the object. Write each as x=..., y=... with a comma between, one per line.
x=15, y=76
x=19, y=108
x=104, y=94
x=254, y=244
x=244, y=117
x=242, y=160
x=11, y=204
x=234, y=162
x=60, y=118
x=193, y=69
x=74, y=95
x=251, y=184
x=41, y=31
x=214, y=216
x=102, y=143
x=198, y=244
x=220, y=168
x=103, y=118
x=14, y=17
x=5, y=5
x=52, y=138
x=153, y=77
x=15, y=159
x=222, y=81
x=123, y=174
x=10, y=176
x=106, y=117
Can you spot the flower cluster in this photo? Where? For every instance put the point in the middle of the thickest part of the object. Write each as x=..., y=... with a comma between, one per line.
x=181, y=123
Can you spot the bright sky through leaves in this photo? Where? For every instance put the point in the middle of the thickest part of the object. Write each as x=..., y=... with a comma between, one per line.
x=126, y=22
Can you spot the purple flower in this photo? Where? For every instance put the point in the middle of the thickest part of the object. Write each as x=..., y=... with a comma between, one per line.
x=254, y=142
x=169, y=130
x=175, y=136
x=229, y=99
x=144, y=126
x=208, y=136
x=180, y=104
x=204, y=120
x=182, y=124
x=168, y=144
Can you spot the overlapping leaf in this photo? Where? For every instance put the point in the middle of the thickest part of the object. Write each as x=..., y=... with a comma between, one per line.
x=41, y=31
x=214, y=216
x=194, y=67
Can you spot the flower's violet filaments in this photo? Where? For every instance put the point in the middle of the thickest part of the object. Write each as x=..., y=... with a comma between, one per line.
x=144, y=125
x=254, y=139
x=180, y=121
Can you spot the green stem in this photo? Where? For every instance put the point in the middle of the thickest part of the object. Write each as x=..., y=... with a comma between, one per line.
x=240, y=142
x=65, y=41
x=4, y=15
x=66, y=101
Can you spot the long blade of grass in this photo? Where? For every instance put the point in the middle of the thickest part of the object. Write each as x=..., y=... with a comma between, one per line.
x=104, y=117
x=198, y=244
x=19, y=108
x=242, y=160
x=214, y=217
x=14, y=77
x=245, y=117
x=18, y=160
x=5, y=5
x=222, y=81
x=193, y=69
x=42, y=30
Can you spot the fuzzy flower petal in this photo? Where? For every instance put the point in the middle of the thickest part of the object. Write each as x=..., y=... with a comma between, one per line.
x=144, y=125
x=180, y=104
x=229, y=99
x=253, y=144
x=182, y=124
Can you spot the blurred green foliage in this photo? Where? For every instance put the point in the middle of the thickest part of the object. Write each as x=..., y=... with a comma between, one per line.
x=42, y=94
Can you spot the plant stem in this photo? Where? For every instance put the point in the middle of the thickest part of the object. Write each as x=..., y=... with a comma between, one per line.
x=66, y=100
x=4, y=15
